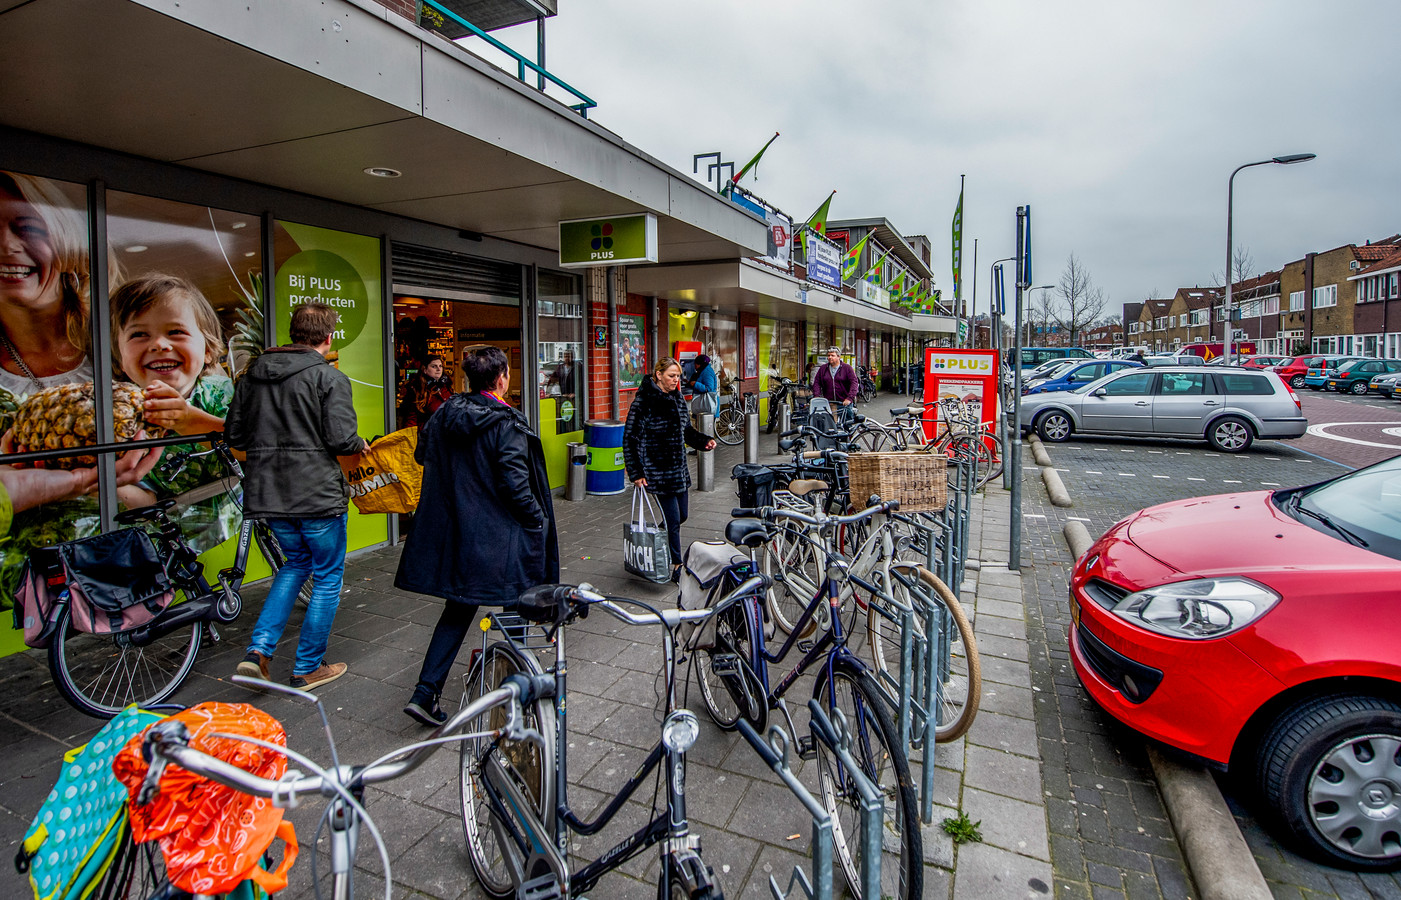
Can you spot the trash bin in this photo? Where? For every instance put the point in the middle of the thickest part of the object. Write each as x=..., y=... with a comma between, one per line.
x=575, y=475
x=606, y=473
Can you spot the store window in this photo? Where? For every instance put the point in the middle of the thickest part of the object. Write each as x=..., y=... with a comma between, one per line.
x=560, y=356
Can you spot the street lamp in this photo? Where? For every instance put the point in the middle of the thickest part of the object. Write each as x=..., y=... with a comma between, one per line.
x=1044, y=287
x=1230, y=201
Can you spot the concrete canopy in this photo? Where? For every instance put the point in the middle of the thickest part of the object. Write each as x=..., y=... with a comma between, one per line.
x=305, y=95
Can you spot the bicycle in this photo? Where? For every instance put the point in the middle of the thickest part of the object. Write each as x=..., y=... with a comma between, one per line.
x=515, y=805
x=168, y=742
x=729, y=422
x=101, y=674
x=866, y=390
x=785, y=390
x=733, y=677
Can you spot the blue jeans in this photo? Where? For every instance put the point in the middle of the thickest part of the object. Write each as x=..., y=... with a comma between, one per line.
x=314, y=548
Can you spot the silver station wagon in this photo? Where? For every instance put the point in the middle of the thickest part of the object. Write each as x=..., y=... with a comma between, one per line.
x=1228, y=407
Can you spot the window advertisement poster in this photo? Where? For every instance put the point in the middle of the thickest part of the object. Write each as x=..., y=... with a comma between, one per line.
x=780, y=252
x=343, y=271
x=751, y=351
x=969, y=376
x=632, y=351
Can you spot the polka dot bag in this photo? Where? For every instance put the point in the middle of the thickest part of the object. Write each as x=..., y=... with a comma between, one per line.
x=72, y=840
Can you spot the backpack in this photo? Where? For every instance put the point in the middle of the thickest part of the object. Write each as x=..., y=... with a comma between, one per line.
x=80, y=827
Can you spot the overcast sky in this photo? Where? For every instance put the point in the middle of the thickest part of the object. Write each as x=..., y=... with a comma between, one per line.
x=1118, y=122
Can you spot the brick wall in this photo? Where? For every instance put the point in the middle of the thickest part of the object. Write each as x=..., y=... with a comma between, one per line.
x=600, y=382
x=406, y=8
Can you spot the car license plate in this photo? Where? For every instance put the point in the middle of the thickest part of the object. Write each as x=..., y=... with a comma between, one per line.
x=1074, y=611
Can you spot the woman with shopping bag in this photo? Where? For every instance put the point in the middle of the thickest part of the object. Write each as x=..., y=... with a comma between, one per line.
x=655, y=438
x=486, y=525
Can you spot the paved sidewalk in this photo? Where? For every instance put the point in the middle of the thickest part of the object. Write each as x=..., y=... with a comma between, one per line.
x=751, y=825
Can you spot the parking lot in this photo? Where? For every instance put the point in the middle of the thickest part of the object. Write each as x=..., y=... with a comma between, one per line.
x=1109, y=478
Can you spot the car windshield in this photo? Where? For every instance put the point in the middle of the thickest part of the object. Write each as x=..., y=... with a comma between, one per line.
x=1362, y=508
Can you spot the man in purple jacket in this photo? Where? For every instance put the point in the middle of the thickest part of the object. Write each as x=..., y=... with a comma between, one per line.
x=836, y=381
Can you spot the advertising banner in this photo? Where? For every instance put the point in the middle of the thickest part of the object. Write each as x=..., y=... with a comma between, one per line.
x=341, y=270
x=824, y=263
x=612, y=241
x=780, y=240
x=632, y=351
x=969, y=376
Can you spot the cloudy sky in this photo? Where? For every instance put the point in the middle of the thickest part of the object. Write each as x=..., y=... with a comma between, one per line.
x=1118, y=122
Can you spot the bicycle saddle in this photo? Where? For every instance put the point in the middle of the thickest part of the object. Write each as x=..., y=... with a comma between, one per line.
x=785, y=444
x=154, y=511
x=804, y=486
x=747, y=533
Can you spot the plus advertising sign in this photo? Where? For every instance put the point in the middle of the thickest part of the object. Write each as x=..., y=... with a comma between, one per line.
x=967, y=375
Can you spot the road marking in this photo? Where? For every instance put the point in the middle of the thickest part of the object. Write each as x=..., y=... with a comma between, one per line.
x=1189, y=478
x=1127, y=475
x=1031, y=468
x=1213, y=454
x=1229, y=481
x=1272, y=458
x=1092, y=472
x=1272, y=483
x=1322, y=431
x=1157, y=451
x=1183, y=453
x=1103, y=449
x=1032, y=516
x=1162, y=476
x=1122, y=450
x=1077, y=518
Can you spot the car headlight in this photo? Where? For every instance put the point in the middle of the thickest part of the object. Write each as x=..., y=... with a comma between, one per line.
x=1200, y=609
x=680, y=731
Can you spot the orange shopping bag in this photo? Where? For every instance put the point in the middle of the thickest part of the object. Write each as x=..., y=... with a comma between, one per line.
x=213, y=837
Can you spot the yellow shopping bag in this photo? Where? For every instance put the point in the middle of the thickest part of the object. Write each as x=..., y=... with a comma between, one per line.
x=386, y=478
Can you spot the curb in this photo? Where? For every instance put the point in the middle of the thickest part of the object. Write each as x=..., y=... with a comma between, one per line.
x=1055, y=488
x=1215, y=851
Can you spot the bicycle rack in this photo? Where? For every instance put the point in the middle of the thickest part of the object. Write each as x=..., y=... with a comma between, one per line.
x=836, y=737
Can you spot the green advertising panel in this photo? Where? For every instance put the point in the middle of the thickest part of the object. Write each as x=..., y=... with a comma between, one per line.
x=343, y=271
x=606, y=242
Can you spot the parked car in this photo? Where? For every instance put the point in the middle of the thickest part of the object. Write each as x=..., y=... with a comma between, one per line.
x=1174, y=359
x=1045, y=370
x=1230, y=408
x=1076, y=374
x=1354, y=375
x=1294, y=369
x=1386, y=385
x=1248, y=629
x=1317, y=375
x=1035, y=356
x=1263, y=362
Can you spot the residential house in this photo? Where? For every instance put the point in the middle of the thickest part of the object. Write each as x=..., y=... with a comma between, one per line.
x=1130, y=323
x=1377, y=313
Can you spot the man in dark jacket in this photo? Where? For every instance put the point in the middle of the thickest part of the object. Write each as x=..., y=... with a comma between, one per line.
x=292, y=414
x=485, y=528
x=835, y=381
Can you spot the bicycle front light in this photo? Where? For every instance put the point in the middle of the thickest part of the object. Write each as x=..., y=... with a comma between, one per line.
x=680, y=731
x=1200, y=609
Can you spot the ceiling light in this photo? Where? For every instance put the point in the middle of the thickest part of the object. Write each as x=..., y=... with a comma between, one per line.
x=137, y=248
x=383, y=172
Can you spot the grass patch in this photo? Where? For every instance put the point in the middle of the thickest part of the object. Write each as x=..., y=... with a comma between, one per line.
x=962, y=829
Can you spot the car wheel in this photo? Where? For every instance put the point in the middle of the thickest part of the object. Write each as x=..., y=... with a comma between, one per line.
x=1230, y=435
x=1297, y=382
x=1358, y=387
x=1054, y=427
x=1331, y=768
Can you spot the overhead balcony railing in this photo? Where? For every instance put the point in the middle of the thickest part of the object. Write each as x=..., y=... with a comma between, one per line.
x=522, y=63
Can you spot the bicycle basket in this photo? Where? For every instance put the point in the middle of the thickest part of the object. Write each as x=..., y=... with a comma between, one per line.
x=919, y=480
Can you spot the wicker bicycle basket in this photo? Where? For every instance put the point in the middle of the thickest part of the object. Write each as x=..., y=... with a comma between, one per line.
x=919, y=480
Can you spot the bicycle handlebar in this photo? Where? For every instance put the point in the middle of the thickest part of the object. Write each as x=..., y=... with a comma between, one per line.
x=770, y=513
x=168, y=742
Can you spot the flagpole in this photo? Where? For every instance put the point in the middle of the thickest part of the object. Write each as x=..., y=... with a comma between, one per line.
x=958, y=276
x=973, y=302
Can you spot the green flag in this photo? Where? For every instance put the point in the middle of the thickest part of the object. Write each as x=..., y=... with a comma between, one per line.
x=957, y=255
x=817, y=221
x=897, y=287
x=753, y=162
x=853, y=256
x=874, y=272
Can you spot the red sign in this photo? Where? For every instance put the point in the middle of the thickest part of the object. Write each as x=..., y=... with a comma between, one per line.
x=968, y=376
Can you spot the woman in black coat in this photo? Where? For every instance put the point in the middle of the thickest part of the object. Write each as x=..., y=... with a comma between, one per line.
x=655, y=438
x=485, y=526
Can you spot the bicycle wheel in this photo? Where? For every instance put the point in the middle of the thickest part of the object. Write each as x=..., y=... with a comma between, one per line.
x=960, y=686
x=102, y=674
x=726, y=679
x=531, y=767
x=797, y=569
x=874, y=745
x=870, y=439
x=276, y=559
x=729, y=426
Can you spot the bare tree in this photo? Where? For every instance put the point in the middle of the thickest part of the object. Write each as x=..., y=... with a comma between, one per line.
x=1242, y=267
x=1081, y=302
x=1041, y=315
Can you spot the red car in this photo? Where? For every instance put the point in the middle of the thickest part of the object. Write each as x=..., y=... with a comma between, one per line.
x=1258, y=632
x=1264, y=362
x=1292, y=371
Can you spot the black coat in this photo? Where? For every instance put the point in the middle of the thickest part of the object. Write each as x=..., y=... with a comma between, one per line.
x=485, y=529
x=293, y=414
x=655, y=438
